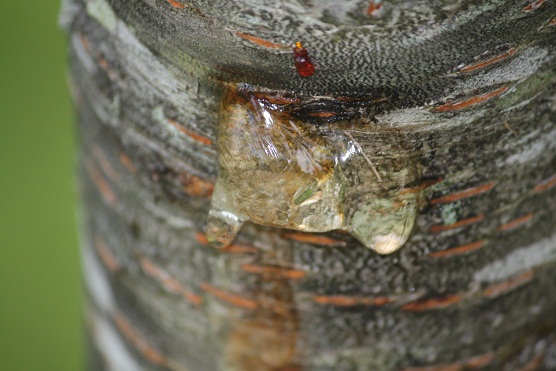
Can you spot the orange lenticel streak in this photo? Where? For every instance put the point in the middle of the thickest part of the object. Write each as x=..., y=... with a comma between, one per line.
x=176, y=4
x=196, y=137
x=313, y=239
x=349, y=301
x=293, y=274
x=101, y=183
x=461, y=223
x=138, y=340
x=545, y=185
x=323, y=114
x=455, y=106
x=482, y=360
x=463, y=194
x=85, y=42
x=432, y=303
x=170, y=283
x=127, y=163
x=503, y=287
x=238, y=249
x=457, y=250
x=533, y=5
x=229, y=298
x=261, y=42
x=534, y=364
x=488, y=62
x=105, y=254
x=516, y=222
x=103, y=63
x=104, y=163
x=420, y=187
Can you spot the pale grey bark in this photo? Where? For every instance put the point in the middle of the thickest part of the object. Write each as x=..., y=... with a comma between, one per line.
x=465, y=90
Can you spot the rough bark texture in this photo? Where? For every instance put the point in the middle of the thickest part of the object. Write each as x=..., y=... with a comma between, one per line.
x=466, y=90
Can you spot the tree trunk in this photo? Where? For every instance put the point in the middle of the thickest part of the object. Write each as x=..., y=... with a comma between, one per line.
x=394, y=210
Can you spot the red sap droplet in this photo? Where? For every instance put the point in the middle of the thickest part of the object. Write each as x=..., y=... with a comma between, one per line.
x=302, y=61
x=305, y=68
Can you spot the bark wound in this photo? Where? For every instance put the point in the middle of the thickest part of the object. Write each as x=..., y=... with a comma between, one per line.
x=266, y=340
x=298, y=166
x=268, y=337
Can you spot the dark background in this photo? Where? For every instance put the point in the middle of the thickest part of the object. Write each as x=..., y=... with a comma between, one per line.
x=40, y=284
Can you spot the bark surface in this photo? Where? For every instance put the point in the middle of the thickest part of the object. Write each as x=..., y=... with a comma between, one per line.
x=465, y=90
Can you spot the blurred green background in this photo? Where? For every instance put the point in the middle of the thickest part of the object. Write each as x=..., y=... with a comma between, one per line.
x=40, y=285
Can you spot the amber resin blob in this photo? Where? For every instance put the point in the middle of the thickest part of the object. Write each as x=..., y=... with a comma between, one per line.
x=303, y=63
x=286, y=163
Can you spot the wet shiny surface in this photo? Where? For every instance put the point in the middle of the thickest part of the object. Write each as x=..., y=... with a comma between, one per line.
x=280, y=167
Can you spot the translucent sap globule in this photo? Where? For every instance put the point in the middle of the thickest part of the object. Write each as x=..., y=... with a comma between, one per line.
x=277, y=170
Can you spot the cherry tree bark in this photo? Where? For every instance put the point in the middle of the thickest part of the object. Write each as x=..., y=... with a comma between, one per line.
x=383, y=199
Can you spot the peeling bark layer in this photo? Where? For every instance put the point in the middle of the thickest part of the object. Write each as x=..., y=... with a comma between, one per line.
x=467, y=90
